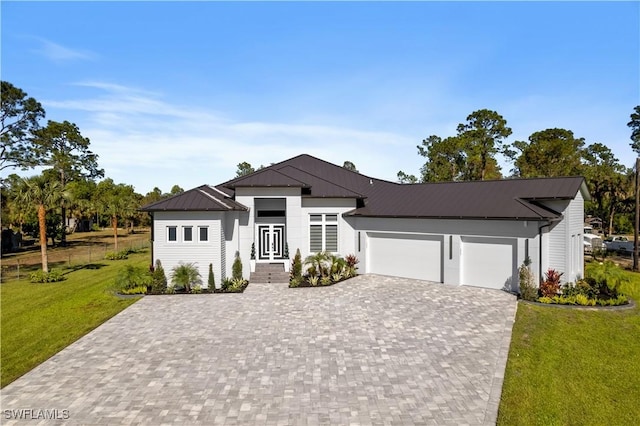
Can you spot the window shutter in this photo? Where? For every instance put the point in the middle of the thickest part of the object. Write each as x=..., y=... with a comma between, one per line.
x=315, y=237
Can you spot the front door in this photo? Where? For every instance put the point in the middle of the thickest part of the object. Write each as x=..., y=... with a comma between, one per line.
x=270, y=242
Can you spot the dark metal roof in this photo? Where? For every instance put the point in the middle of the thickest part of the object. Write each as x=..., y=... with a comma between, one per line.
x=265, y=178
x=325, y=180
x=520, y=199
x=499, y=199
x=202, y=198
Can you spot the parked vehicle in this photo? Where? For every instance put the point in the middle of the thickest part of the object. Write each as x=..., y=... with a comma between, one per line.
x=619, y=244
x=592, y=242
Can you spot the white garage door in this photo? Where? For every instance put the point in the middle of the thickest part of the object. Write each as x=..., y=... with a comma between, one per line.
x=406, y=255
x=488, y=262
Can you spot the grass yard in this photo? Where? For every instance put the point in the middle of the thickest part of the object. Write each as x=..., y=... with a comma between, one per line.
x=573, y=366
x=39, y=320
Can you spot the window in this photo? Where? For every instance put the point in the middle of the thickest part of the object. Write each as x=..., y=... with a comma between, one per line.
x=172, y=232
x=188, y=233
x=204, y=233
x=323, y=232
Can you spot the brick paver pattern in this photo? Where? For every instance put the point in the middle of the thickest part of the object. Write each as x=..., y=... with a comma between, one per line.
x=371, y=350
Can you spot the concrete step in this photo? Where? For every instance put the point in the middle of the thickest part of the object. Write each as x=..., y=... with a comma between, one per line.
x=269, y=273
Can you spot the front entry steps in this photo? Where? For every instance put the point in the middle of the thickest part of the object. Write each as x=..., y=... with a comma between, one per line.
x=269, y=273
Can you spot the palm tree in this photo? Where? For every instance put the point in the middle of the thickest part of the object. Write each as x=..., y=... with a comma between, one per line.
x=43, y=194
x=118, y=201
x=184, y=275
x=318, y=262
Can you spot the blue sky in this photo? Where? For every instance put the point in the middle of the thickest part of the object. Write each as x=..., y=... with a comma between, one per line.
x=180, y=93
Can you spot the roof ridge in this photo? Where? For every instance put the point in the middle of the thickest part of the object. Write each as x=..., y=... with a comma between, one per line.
x=202, y=191
x=323, y=179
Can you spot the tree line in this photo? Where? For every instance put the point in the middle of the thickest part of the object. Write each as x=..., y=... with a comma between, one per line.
x=471, y=154
x=72, y=185
x=69, y=185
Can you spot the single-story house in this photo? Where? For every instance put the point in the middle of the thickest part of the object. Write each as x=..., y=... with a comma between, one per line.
x=462, y=233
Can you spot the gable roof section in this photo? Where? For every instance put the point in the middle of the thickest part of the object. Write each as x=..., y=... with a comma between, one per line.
x=499, y=199
x=265, y=178
x=323, y=179
x=202, y=198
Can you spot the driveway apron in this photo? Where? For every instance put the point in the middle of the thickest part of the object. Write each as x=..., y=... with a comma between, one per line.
x=370, y=350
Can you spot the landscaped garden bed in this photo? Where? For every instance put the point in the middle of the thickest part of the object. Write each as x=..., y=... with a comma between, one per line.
x=322, y=269
x=185, y=279
x=599, y=288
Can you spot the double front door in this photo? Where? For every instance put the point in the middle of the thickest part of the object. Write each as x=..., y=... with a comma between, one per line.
x=271, y=242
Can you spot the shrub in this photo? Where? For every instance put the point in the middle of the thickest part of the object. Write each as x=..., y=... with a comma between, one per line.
x=295, y=282
x=583, y=300
x=351, y=260
x=336, y=277
x=325, y=280
x=117, y=255
x=185, y=275
x=53, y=276
x=158, y=279
x=550, y=287
x=236, y=269
x=211, y=280
x=253, y=251
x=197, y=289
x=232, y=285
x=337, y=264
x=317, y=263
x=133, y=280
x=607, y=278
x=528, y=289
x=313, y=280
x=296, y=266
x=226, y=283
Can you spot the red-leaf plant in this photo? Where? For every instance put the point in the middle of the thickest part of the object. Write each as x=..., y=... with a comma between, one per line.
x=550, y=287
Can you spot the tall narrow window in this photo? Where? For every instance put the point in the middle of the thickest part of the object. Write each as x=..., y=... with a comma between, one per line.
x=172, y=233
x=188, y=233
x=204, y=233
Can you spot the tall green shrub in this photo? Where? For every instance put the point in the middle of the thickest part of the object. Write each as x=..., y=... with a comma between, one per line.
x=296, y=268
x=528, y=289
x=211, y=281
x=236, y=269
x=159, y=279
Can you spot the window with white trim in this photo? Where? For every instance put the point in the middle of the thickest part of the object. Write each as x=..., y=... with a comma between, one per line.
x=203, y=233
x=172, y=233
x=323, y=232
x=187, y=233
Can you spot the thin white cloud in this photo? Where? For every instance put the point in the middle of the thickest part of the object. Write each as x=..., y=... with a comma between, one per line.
x=59, y=53
x=145, y=141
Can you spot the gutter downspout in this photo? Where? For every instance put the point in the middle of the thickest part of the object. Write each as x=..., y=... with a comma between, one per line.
x=546, y=225
x=153, y=228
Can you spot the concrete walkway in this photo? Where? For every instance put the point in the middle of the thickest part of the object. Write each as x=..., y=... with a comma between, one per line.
x=371, y=350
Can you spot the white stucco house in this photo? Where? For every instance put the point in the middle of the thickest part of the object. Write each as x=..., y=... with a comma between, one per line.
x=461, y=233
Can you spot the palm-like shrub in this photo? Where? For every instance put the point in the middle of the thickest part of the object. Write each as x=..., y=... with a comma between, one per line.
x=319, y=263
x=185, y=275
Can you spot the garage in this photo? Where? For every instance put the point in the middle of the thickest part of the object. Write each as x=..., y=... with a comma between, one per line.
x=406, y=255
x=488, y=262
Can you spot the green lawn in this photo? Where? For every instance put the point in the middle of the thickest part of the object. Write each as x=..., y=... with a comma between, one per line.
x=574, y=367
x=39, y=320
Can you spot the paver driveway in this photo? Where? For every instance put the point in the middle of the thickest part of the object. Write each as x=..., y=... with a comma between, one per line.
x=372, y=350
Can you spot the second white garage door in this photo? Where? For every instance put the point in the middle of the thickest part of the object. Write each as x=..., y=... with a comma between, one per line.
x=406, y=255
x=488, y=262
